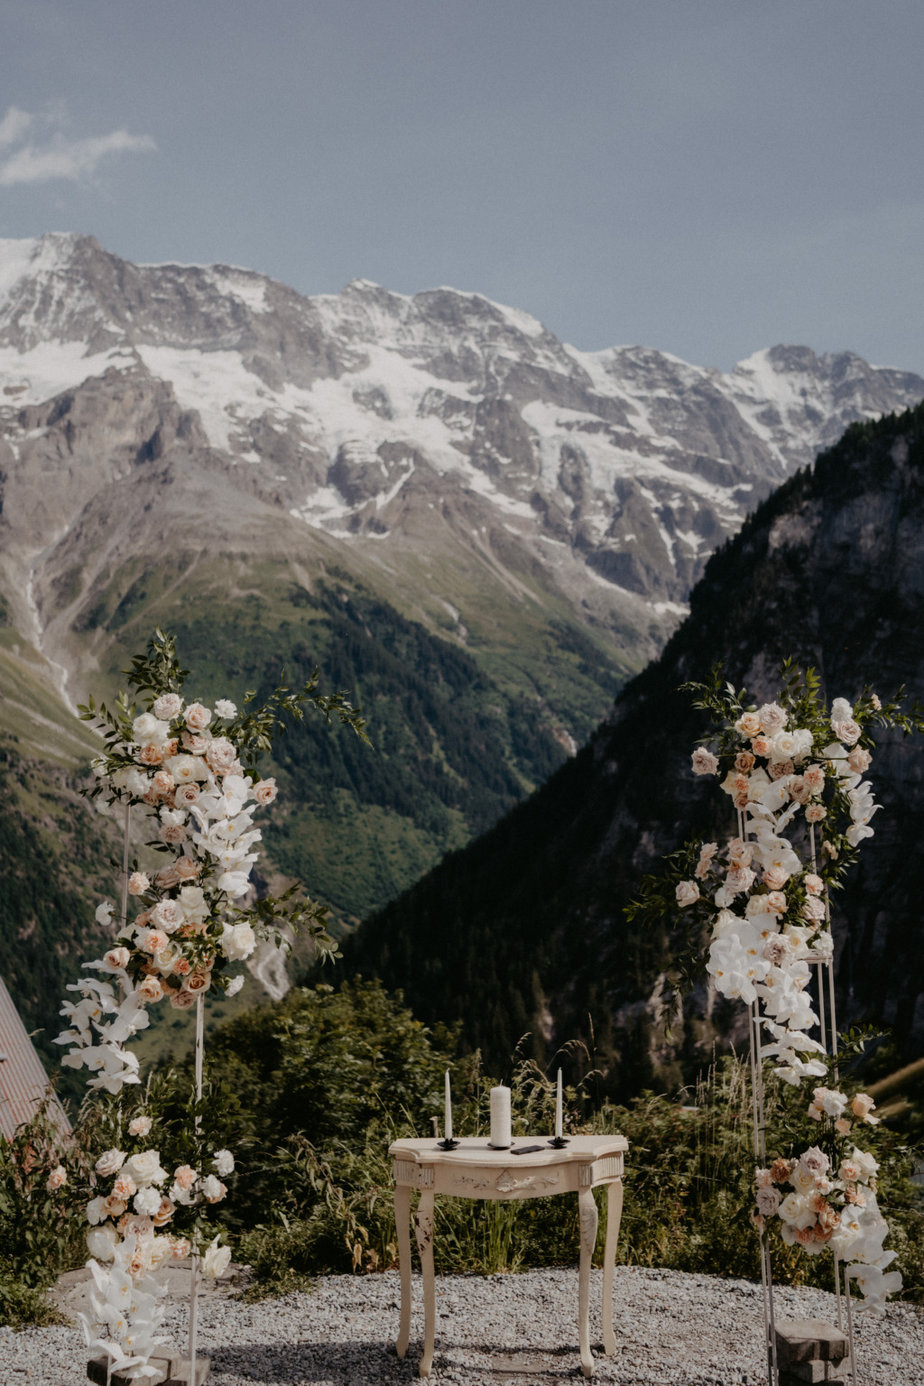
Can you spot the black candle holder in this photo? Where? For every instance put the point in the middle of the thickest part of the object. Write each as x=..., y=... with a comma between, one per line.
x=447, y=1144
x=559, y=1142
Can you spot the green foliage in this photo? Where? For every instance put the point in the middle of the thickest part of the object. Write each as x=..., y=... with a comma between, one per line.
x=39, y=1237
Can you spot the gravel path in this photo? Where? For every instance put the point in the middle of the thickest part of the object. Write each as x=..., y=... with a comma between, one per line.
x=672, y=1329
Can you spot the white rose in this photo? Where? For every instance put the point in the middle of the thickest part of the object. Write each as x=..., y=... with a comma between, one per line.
x=841, y=710
x=213, y=1190
x=147, y=1201
x=225, y=708
x=223, y=1161
x=772, y=718
x=238, y=942
x=150, y=730
x=234, y=985
x=145, y=1168
x=782, y=746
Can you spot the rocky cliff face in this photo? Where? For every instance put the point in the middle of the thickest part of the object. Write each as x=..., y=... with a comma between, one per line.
x=525, y=931
x=444, y=440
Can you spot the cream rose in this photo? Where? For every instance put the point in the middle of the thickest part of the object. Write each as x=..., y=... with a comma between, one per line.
x=748, y=724
x=687, y=893
x=167, y=706
x=265, y=791
x=704, y=763
x=109, y=1163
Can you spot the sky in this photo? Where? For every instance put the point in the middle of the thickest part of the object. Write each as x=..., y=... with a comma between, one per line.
x=707, y=177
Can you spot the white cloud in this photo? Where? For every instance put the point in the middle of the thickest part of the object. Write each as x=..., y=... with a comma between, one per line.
x=14, y=125
x=58, y=157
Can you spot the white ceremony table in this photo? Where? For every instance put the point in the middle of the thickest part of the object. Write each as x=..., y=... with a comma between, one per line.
x=474, y=1170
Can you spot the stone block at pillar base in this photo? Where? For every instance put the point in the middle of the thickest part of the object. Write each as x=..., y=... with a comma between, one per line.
x=809, y=1340
x=171, y=1371
x=814, y=1372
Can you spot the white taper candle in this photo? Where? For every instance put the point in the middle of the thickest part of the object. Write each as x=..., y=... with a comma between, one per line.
x=558, y=1108
x=500, y=1118
x=447, y=1119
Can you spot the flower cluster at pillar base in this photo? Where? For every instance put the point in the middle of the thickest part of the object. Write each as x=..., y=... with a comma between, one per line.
x=825, y=1200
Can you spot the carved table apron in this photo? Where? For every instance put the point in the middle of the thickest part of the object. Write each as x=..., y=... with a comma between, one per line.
x=474, y=1170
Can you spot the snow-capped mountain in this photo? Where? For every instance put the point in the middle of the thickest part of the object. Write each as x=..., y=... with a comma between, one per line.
x=422, y=436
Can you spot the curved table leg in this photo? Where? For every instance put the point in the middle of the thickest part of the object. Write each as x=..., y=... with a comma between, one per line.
x=613, y=1218
x=403, y=1226
x=588, y=1215
x=423, y=1225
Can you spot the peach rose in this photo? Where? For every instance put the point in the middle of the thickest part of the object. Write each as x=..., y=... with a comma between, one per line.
x=186, y=794
x=760, y=745
x=199, y=980
x=748, y=724
x=163, y=782
x=185, y=1176
x=182, y=1000
x=57, y=1178
x=776, y=902
x=859, y=760
x=151, y=754
x=187, y=869
x=815, y=813
x=151, y=989
x=138, y=883
x=117, y=957
x=774, y=878
x=139, y=1126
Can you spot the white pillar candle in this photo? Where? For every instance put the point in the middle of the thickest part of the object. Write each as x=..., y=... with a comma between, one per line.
x=500, y=1118
x=558, y=1109
x=447, y=1120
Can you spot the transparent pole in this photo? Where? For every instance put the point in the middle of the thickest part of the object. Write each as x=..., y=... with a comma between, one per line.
x=194, y=1260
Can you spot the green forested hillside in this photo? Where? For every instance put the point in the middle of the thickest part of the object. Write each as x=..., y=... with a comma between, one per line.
x=525, y=930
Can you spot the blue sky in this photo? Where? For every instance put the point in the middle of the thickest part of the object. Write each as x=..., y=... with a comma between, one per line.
x=703, y=176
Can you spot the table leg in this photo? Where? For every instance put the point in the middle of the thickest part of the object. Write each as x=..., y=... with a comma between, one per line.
x=403, y=1226
x=587, y=1209
x=613, y=1217
x=423, y=1224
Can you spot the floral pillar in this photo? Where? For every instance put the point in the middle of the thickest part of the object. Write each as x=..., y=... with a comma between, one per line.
x=187, y=772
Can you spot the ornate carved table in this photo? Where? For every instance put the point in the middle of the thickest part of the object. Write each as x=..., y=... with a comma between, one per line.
x=474, y=1170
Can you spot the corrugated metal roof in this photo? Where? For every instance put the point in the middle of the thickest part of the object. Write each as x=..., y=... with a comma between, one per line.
x=23, y=1080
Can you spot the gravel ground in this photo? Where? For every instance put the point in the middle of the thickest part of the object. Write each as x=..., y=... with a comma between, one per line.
x=672, y=1329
